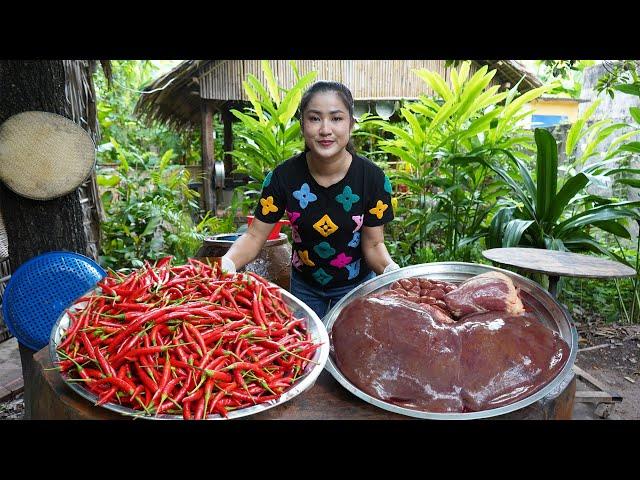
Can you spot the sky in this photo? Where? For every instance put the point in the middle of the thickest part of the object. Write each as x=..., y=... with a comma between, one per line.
x=165, y=65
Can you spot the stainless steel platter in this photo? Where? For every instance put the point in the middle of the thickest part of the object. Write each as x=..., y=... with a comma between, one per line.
x=314, y=368
x=534, y=297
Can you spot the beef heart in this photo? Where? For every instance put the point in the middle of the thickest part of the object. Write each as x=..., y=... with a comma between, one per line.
x=488, y=292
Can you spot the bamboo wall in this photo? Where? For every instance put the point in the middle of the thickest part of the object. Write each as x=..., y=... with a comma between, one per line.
x=367, y=79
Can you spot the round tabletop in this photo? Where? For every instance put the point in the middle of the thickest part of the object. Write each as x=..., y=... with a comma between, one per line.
x=552, y=262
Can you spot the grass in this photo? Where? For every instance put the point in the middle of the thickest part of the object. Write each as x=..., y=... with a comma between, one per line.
x=610, y=299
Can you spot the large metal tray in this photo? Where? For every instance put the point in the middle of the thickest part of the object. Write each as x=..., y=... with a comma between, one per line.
x=300, y=310
x=534, y=297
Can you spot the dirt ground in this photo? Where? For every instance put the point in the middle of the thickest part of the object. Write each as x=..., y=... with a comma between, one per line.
x=610, y=352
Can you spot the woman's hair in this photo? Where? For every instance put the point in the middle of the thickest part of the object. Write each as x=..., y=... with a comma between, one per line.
x=342, y=91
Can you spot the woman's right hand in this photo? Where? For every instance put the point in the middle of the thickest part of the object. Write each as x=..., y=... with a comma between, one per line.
x=247, y=247
x=227, y=265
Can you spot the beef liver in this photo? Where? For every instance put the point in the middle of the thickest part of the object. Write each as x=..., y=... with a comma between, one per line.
x=395, y=350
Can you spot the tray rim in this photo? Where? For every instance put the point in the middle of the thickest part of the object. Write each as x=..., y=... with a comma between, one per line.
x=423, y=270
x=318, y=333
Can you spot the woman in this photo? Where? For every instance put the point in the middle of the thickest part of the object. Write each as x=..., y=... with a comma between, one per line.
x=337, y=203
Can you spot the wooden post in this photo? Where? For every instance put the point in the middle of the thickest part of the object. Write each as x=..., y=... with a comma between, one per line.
x=206, y=131
x=227, y=119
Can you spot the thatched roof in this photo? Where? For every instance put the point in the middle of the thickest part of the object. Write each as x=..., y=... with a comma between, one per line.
x=175, y=98
x=511, y=71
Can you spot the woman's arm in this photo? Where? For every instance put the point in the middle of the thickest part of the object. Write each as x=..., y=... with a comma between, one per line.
x=248, y=246
x=374, y=250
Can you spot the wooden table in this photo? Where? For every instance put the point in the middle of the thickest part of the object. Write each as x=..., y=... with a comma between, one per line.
x=558, y=264
x=325, y=400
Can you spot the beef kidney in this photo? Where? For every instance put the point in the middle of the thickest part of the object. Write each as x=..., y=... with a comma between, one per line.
x=425, y=292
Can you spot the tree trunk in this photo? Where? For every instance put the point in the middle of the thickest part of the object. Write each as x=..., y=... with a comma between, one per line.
x=34, y=227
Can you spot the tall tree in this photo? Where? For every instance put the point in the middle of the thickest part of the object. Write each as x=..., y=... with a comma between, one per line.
x=34, y=227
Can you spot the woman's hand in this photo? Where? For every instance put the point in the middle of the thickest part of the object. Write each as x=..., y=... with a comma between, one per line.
x=247, y=247
x=391, y=267
x=227, y=264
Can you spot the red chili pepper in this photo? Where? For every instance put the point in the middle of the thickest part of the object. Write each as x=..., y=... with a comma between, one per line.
x=186, y=411
x=166, y=372
x=145, y=378
x=230, y=298
x=257, y=314
x=267, y=345
x=166, y=391
x=199, y=413
x=193, y=397
x=196, y=334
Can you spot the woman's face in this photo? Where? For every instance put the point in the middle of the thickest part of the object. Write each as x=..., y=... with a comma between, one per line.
x=326, y=125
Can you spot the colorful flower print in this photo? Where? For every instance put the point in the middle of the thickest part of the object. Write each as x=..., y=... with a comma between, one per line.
x=379, y=209
x=325, y=226
x=358, y=219
x=387, y=185
x=267, y=205
x=324, y=250
x=341, y=261
x=295, y=260
x=347, y=198
x=353, y=269
x=355, y=241
x=293, y=216
x=304, y=256
x=304, y=195
x=295, y=235
x=267, y=180
x=321, y=276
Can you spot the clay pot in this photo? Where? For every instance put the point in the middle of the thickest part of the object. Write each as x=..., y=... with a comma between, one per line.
x=273, y=262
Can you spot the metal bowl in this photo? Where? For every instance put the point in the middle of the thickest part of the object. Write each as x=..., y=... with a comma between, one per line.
x=534, y=297
x=299, y=309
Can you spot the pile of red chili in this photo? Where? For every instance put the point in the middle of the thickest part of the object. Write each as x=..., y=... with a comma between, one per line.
x=185, y=340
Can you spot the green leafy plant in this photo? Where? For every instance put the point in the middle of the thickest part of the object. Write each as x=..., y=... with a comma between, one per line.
x=447, y=200
x=271, y=133
x=541, y=215
x=115, y=112
x=564, y=76
x=620, y=75
x=367, y=136
x=151, y=213
x=593, y=135
x=624, y=78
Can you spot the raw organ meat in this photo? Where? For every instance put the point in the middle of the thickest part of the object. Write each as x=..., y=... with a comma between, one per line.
x=396, y=350
x=488, y=292
x=428, y=293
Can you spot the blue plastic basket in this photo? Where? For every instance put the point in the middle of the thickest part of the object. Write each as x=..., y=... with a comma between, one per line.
x=41, y=289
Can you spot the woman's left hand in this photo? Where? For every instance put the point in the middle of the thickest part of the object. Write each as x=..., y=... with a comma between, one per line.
x=391, y=267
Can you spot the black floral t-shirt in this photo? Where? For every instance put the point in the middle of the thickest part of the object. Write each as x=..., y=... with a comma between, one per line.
x=326, y=222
